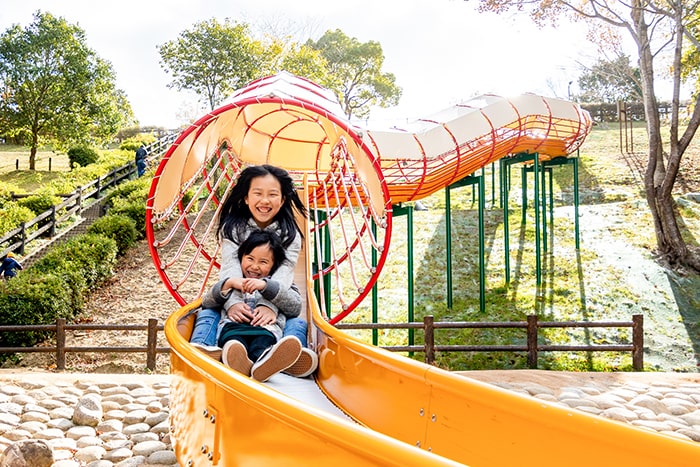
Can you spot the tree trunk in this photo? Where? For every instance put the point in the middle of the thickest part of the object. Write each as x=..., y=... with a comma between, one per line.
x=658, y=181
x=32, y=157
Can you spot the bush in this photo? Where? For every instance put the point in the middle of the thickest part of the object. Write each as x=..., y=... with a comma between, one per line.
x=129, y=199
x=135, y=209
x=40, y=201
x=6, y=190
x=81, y=156
x=12, y=215
x=118, y=227
x=32, y=299
x=92, y=255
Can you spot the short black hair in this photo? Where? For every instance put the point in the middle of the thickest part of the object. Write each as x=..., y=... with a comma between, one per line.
x=264, y=237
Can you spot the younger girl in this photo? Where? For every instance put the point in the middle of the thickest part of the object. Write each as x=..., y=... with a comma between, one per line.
x=259, y=340
x=264, y=198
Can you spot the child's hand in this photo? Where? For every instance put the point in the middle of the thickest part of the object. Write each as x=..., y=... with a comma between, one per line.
x=262, y=316
x=240, y=313
x=251, y=285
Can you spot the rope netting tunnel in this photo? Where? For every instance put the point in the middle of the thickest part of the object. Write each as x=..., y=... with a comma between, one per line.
x=351, y=176
x=291, y=123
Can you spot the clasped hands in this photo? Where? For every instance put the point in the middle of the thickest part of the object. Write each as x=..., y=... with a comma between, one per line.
x=260, y=316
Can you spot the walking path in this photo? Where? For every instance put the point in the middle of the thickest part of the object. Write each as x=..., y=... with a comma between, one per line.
x=121, y=420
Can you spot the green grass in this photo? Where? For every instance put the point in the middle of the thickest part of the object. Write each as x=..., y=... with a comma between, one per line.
x=575, y=285
x=12, y=156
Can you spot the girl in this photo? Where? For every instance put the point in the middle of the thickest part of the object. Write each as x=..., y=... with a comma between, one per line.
x=264, y=198
x=259, y=340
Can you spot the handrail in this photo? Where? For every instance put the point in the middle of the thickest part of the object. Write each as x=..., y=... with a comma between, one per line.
x=78, y=201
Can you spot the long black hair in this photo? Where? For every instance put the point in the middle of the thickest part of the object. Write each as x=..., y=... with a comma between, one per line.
x=264, y=237
x=235, y=213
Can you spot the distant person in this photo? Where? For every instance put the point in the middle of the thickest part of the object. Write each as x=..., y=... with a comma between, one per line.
x=9, y=266
x=141, y=160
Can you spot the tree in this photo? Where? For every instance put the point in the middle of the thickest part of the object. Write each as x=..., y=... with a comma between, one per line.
x=661, y=30
x=212, y=59
x=611, y=81
x=54, y=88
x=354, y=73
x=283, y=54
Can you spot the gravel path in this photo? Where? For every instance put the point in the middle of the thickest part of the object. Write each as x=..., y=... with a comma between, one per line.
x=97, y=420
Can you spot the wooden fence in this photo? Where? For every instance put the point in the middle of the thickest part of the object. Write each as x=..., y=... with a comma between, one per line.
x=532, y=347
x=60, y=349
x=74, y=203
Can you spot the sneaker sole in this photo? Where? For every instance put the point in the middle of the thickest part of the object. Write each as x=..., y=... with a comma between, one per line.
x=235, y=356
x=281, y=356
x=215, y=354
x=305, y=365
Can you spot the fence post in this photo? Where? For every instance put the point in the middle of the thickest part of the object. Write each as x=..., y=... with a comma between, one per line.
x=532, y=341
x=638, y=342
x=429, y=338
x=61, y=343
x=52, y=230
x=23, y=237
x=151, y=346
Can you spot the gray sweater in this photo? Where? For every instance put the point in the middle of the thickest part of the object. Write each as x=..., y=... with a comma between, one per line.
x=286, y=302
x=231, y=266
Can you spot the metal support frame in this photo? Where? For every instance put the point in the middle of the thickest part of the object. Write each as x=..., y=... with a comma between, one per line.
x=469, y=180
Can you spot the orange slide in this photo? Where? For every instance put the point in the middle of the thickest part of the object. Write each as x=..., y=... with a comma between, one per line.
x=365, y=405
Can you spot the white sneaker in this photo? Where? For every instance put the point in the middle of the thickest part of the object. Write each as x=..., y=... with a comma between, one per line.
x=235, y=356
x=305, y=364
x=210, y=350
x=274, y=359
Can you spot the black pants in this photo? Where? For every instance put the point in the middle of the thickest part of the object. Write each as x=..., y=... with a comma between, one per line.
x=254, y=338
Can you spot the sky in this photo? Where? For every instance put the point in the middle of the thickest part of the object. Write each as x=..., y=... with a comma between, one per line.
x=441, y=51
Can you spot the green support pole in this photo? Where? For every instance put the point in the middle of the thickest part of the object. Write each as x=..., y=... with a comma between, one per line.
x=506, y=234
x=322, y=263
x=523, y=185
x=399, y=210
x=470, y=180
x=482, y=266
x=576, y=200
x=543, y=186
x=551, y=198
x=448, y=246
x=493, y=185
x=538, y=260
x=375, y=297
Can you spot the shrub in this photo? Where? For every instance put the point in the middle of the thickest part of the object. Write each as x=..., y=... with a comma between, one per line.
x=134, y=209
x=92, y=255
x=129, y=199
x=6, y=190
x=82, y=156
x=118, y=227
x=12, y=215
x=74, y=281
x=32, y=299
x=40, y=201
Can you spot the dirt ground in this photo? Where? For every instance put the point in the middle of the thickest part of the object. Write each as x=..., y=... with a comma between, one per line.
x=136, y=293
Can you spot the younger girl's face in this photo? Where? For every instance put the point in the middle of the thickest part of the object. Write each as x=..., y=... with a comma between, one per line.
x=258, y=263
x=264, y=199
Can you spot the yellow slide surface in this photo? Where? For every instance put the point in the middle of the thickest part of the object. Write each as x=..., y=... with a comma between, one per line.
x=365, y=405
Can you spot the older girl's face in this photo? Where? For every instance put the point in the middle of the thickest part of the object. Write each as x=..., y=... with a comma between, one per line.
x=264, y=199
